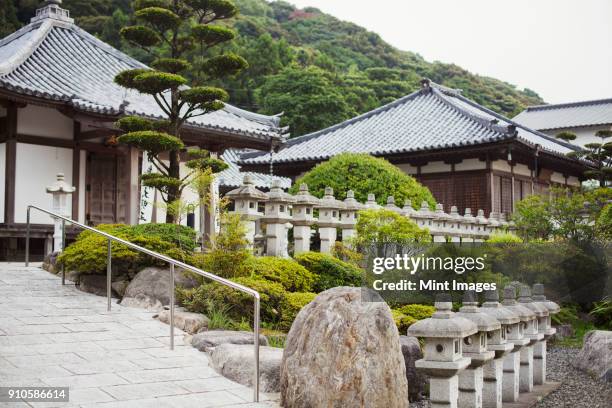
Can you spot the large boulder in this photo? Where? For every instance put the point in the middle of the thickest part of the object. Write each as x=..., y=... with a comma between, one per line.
x=150, y=288
x=411, y=349
x=594, y=357
x=343, y=352
x=563, y=331
x=208, y=340
x=50, y=262
x=186, y=321
x=237, y=362
x=95, y=284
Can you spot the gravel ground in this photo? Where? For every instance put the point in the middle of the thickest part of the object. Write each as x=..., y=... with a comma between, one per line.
x=577, y=390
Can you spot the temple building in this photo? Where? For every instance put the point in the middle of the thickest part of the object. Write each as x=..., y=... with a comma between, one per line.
x=583, y=119
x=58, y=106
x=466, y=154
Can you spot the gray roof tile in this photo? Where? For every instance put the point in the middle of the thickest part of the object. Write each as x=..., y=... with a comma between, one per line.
x=233, y=177
x=432, y=118
x=567, y=115
x=56, y=60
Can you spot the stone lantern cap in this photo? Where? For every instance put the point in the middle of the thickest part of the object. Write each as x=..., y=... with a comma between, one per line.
x=468, y=218
x=480, y=218
x=470, y=311
x=454, y=215
x=277, y=195
x=350, y=204
x=329, y=202
x=494, y=219
x=444, y=323
x=407, y=209
x=526, y=300
x=492, y=307
x=503, y=220
x=303, y=197
x=391, y=204
x=247, y=191
x=371, y=202
x=440, y=214
x=524, y=313
x=60, y=186
x=424, y=211
x=538, y=296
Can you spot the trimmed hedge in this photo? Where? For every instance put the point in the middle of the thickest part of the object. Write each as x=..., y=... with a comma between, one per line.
x=290, y=274
x=402, y=321
x=329, y=271
x=88, y=253
x=416, y=311
x=364, y=174
x=291, y=306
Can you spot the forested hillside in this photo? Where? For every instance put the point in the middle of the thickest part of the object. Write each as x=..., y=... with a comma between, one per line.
x=315, y=68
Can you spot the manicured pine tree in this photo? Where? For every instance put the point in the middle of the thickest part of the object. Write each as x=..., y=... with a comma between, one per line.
x=168, y=31
x=599, y=154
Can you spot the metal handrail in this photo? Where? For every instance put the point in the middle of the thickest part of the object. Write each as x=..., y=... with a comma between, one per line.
x=172, y=262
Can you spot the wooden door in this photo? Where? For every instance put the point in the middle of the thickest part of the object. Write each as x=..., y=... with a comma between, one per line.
x=101, y=197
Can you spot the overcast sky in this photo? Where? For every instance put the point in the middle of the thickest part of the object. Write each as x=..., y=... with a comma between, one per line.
x=561, y=49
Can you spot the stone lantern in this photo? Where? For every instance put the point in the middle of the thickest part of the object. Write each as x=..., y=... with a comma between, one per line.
x=423, y=217
x=475, y=347
x=498, y=342
x=391, y=205
x=482, y=223
x=246, y=200
x=329, y=219
x=438, y=229
x=468, y=225
x=530, y=332
x=303, y=218
x=371, y=202
x=494, y=223
x=539, y=351
x=442, y=358
x=407, y=209
x=60, y=190
x=276, y=217
x=348, y=217
x=454, y=220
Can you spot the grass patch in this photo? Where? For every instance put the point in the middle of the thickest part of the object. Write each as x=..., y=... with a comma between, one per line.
x=581, y=328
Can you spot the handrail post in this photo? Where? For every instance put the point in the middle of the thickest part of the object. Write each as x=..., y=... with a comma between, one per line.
x=27, y=248
x=172, y=280
x=256, y=333
x=108, y=275
x=63, y=247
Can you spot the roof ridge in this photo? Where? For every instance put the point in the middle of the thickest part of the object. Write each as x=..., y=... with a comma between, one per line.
x=567, y=105
x=14, y=61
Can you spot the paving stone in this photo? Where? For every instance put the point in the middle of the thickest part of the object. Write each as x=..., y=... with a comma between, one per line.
x=85, y=381
x=141, y=391
x=168, y=374
x=45, y=360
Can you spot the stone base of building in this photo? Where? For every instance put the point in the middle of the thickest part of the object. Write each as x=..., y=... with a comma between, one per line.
x=530, y=399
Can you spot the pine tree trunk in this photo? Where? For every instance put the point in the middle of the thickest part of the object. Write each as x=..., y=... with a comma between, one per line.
x=174, y=192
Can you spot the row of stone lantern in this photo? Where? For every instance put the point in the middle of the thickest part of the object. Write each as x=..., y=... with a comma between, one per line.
x=484, y=356
x=284, y=211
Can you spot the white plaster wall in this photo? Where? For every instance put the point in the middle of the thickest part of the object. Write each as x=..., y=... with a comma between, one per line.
x=435, y=167
x=584, y=135
x=501, y=165
x=407, y=168
x=522, y=170
x=470, y=164
x=573, y=181
x=45, y=122
x=556, y=177
x=37, y=168
x=2, y=178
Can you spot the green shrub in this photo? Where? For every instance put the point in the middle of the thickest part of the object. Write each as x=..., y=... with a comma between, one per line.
x=237, y=305
x=89, y=252
x=364, y=174
x=602, y=312
x=329, y=271
x=402, y=321
x=504, y=238
x=603, y=225
x=291, y=306
x=290, y=274
x=386, y=226
x=418, y=312
x=567, y=315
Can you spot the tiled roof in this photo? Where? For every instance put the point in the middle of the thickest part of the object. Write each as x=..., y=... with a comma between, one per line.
x=53, y=59
x=567, y=115
x=432, y=118
x=233, y=177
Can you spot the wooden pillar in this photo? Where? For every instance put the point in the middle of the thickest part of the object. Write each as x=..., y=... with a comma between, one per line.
x=133, y=192
x=76, y=170
x=11, y=163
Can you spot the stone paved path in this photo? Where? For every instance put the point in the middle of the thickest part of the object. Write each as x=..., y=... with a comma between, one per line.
x=59, y=336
